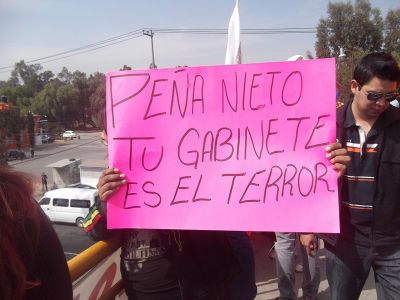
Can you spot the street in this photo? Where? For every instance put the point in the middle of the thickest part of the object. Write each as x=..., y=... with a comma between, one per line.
x=74, y=240
x=88, y=146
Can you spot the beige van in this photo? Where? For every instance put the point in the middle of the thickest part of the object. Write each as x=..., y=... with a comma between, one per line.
x=69, y=205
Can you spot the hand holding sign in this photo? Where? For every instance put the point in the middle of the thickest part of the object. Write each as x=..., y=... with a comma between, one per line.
x=338, y=157
x=109, y=182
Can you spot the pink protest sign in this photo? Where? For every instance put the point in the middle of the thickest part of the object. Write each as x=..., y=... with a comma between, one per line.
x=239, y=147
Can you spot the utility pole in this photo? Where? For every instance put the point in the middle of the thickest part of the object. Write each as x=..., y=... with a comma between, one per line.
x=150, y=33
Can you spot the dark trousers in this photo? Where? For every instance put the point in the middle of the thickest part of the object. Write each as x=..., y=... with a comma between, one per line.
x=348, y=266
x=243, y=285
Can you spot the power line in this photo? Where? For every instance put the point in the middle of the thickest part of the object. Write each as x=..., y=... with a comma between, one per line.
x=242, y=31
x=74, y=54
x=93, y=49
x=92, y=45
x=139, y=32
x=133, y=34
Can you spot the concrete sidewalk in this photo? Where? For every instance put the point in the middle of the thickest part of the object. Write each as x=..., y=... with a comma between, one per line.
x=267, y=286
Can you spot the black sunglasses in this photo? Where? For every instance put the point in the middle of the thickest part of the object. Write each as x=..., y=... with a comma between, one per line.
x=375, y=96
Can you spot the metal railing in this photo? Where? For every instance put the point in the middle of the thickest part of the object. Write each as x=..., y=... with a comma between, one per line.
x=89, y=258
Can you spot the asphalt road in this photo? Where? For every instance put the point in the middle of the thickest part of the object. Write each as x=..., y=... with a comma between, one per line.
x=73, y=239
x=89, y=146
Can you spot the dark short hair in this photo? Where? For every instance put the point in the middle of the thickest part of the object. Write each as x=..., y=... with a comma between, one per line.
x=377, y=64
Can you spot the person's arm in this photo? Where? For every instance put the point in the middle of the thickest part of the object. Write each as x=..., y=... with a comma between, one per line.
x=95, y=224
x=339, y=159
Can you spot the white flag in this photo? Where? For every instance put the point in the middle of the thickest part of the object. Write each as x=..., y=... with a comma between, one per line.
x=233, y=51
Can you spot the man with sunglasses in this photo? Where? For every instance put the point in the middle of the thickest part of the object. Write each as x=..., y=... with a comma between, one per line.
x=370, y=190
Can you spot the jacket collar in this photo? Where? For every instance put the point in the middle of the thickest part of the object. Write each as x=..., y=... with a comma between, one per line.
x=342, y=113
x=391, y=115
x=346, y=119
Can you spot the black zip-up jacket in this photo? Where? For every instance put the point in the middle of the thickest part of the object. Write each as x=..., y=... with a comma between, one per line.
x=386, y=205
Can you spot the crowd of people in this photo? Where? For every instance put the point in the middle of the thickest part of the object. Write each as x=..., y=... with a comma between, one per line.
x=195, y=265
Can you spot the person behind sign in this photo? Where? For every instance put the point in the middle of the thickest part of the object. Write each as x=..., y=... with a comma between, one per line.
x=286, y=243
x=33, y=264
x=370, y=190
x=165, y=264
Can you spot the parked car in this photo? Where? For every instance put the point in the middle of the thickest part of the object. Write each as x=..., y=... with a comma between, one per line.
x=69, y=134
x=16, y=154
x=47, y=138
x=69, y=205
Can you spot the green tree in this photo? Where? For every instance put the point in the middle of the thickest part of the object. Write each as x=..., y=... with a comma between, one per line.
x=392, y=29
x=68, y=99
x=71, y=99
x=125, y=68
x=80, y=82
x=322, y=44
x=59, y=101
x=30, y=124
x=11, y=123
x=25, y=82
x=353, y=28
x=345, y=70
x=46, y=76
x=65, y=76
x=369, y=20
x=28, y=75
x=45, y=101
x=97, y=98
x=16, y=92
x=358, y=29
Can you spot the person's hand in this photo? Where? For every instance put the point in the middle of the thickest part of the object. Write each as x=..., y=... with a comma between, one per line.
x=310, y=242
x=338, y=157
x=110, y=181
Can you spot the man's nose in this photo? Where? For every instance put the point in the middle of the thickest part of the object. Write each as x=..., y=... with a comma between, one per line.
x=381, y=101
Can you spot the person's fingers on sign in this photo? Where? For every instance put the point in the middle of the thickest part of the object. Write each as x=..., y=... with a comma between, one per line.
x=338, y=157
x=110, y=181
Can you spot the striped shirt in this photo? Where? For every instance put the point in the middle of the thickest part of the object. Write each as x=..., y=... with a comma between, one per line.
x=359, y=181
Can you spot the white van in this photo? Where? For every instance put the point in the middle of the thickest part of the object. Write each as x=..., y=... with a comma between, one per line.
x=70, y=205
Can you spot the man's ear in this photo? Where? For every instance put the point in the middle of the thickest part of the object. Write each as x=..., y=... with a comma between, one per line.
x=354, y=86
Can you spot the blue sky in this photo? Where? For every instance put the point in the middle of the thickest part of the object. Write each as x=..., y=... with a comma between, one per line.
x=33, y=29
